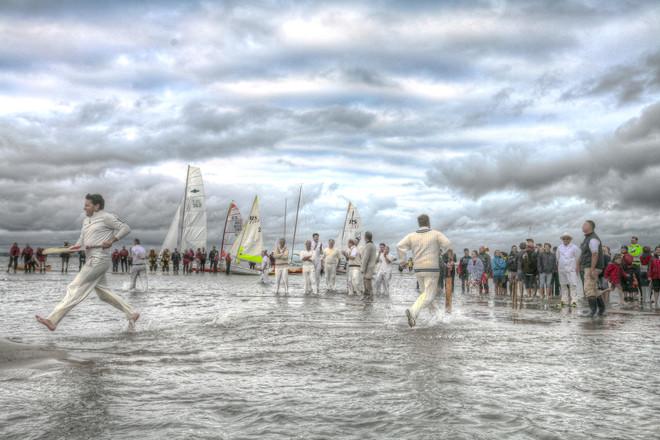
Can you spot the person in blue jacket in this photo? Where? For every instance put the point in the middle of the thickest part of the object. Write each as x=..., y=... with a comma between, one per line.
x=499, y=271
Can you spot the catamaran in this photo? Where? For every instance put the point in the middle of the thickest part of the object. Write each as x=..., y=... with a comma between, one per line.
x=246, y=249
x=188, y=228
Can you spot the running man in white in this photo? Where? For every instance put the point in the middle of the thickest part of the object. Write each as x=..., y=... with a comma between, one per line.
x=309, y=268
x=100, y=230
x=139, y=266
x=317, y=248
x=384, y=270
x=568, y=256
x=354, y=259
x=426, y=246
x=281, y=254
x=330, y=262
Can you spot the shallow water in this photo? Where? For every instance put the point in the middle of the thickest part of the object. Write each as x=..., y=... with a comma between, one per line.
x=222, y=357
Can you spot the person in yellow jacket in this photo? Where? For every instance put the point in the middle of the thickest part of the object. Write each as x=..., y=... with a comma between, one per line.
x=635, y=250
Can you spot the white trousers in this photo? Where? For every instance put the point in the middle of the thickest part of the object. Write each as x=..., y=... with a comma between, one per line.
x=383, y=281
x=330, y=276
x=91, y=277
x=568, y=281
x=282, y=277
x=355, y=285
x=309, y=278
x=139, y=270
x=428, y=287
x=317, y=274
x=264, y=276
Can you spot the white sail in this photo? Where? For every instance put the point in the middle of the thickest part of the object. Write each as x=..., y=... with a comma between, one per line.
x=249, y=244
x=233, y=227
x=352, y=228
x=172, y=238
x=188, y=228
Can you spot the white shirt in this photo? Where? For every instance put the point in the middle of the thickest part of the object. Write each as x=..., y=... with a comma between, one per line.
x=567, y=257
x=139, y=255
x=357, y=258
x=316, y=248
x=265, y=262
x=101, y=226
x=426, y=245
x=331, y=256
x=307, y=263
x=383, y=265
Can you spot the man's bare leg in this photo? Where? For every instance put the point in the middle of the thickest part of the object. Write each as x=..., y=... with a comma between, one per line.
x=46, y=322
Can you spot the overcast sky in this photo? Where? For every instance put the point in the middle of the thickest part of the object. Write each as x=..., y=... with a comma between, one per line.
x=500, y=119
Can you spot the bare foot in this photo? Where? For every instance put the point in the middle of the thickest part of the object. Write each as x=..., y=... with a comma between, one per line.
x=134, y=317
x=46, y=322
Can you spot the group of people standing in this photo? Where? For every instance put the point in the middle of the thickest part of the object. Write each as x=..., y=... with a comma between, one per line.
x=534, y=269
x=33, y=259
x=368, y=269
x=189, y=261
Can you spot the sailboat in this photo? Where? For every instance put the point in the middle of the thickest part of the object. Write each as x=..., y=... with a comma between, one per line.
x=352, y=229
x=188, y=227
x=249, y=244
x=232, y=229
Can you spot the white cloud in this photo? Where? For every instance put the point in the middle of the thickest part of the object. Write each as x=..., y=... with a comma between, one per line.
x=480, y=114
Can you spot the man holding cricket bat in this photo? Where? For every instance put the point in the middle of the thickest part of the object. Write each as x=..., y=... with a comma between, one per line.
x=100, y=230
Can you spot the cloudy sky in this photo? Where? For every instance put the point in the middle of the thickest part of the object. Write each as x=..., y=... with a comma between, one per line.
x=501, y=119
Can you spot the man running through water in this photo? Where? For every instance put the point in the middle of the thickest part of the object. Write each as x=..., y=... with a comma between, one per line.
x=100, y=230
x=426, y=246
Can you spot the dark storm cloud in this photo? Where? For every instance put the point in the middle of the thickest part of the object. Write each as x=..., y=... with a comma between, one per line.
x=610, y=180
x=424, y=92
x=605, y=171
x=626, y=83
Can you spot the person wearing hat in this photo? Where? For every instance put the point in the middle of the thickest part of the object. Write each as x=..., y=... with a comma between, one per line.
x=568, y=258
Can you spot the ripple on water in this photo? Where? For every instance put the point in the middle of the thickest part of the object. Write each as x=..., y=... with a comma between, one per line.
x=221, y=357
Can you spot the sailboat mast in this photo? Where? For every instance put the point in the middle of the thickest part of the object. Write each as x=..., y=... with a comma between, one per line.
x=284, y=234
x=182, y=217
x=224, y=230
x=295, y=226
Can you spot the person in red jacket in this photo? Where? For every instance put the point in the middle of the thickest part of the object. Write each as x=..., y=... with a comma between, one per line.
x=14, y=253
x=626, y=258
x=115, y=261
x=644, y=283
x=27, y=258
x=629, y=280
x=654, y=276
x=123, y=258
x=41, y=259
x=614, y=274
